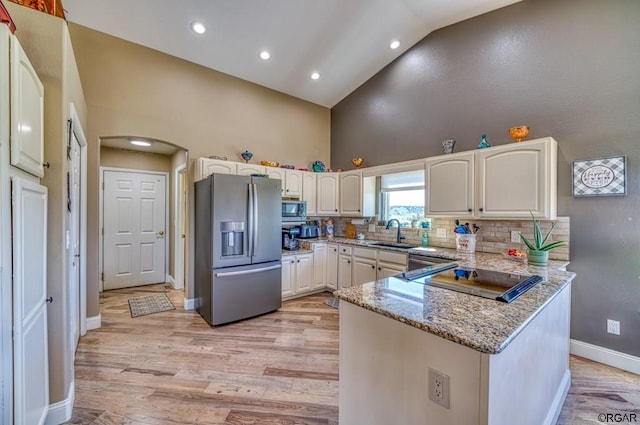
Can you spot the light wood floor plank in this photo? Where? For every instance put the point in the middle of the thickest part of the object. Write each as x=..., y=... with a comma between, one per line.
x=282, y=368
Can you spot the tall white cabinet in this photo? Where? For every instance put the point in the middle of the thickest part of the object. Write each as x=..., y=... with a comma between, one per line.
x=24, y=373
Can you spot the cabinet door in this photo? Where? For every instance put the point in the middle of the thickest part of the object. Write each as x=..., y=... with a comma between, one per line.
x=327, y=196
x=309, y=191
x=364, y=270
x=288, y=275
x=277, y=173
x=449, y=182
x=351, y=193
x=332, y=266
x=344, y=271
x=389, y=269
x=27, y=113
x=248, y=169
x=304, y=272
x=319, y=265
x=206, y=166
x=293, y=183
x=518, y=178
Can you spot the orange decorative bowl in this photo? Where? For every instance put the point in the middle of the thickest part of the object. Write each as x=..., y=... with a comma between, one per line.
x=357, y=162
x=518, y=133
x=269, y=163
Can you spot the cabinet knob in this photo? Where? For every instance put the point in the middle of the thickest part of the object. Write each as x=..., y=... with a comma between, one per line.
x=373, y=267
x=358, y=209
x=481, y=209
x=336, y=210
x=380, y=268
x=348, y=261
x=469, y=210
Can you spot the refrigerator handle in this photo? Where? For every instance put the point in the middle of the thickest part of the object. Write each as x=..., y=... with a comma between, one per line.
x=254, y=227
x=250, y=222
x=251, y=271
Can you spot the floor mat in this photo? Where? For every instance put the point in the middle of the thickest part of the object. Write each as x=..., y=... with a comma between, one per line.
x=150, y=304
x=333, y=302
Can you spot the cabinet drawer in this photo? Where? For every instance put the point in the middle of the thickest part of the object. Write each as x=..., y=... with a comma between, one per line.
x=345, y=249
x=364, y=253
x=392, y=257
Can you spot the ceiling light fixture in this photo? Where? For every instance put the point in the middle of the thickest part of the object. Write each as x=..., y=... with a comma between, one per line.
x=140, y=143
x=315, y=75
x=394, y=44
x=198, y=27
x=264, y=55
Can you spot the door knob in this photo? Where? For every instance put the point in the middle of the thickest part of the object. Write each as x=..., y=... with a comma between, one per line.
x=161, y=233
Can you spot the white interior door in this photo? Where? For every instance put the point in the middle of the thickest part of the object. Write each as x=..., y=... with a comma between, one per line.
x=30, y=355
x=73, y=206
x=134, y=211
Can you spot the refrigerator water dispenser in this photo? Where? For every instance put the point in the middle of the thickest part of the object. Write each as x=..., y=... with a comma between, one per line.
x=232, y=237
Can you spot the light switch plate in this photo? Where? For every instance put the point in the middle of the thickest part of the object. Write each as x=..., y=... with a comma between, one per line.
x=441, y=232
x=372, y=228
x=515, y=236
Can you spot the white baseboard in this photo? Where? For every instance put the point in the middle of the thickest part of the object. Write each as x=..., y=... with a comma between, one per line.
x=604, y=355
x=189, y=303
x=61, y=411
x=94, y=322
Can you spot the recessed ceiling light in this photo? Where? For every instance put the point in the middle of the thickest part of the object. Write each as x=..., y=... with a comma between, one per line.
x=315, y=75
x=140, y=143
x=198, y=27
x=265, y=55
x=394, y=44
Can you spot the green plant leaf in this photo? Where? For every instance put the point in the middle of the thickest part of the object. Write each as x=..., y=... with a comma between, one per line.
x=526, y=241
x=552, y=245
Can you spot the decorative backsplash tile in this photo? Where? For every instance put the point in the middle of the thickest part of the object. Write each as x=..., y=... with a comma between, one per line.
x=494, y=235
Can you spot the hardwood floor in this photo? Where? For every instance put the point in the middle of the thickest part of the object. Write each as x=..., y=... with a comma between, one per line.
x=280, y=368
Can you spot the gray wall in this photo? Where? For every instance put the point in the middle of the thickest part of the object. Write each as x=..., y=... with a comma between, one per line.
x=569, y=69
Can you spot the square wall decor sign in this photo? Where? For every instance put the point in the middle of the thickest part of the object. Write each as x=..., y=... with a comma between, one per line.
x=600, y=177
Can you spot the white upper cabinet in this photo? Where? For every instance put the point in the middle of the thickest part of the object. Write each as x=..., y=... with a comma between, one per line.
x=518, y=178
x=206, y=166
x=327, y=194
x=506, y=181
x=248, y=169
x=27, y=113
x=449, y=181
x=309, y=191
x=293, y=183
x=351, y=193
x=277, y=173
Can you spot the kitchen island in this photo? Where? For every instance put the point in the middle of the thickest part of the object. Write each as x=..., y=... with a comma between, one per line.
x=506, y=363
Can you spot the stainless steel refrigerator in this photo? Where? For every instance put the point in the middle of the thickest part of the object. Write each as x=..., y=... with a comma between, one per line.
x=237, y=247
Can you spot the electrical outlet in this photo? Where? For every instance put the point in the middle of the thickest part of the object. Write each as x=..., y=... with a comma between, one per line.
x=439, y=388
x=372, y=228
x=613, y=327
x=515, y=236
x=441, y=232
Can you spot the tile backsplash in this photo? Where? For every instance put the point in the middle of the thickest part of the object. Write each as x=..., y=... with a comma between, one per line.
x=493, y=236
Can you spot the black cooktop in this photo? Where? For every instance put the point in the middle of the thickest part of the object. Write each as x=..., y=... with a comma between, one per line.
x=492, y=284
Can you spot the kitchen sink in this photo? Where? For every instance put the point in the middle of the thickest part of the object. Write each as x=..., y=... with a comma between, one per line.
x=392, y=245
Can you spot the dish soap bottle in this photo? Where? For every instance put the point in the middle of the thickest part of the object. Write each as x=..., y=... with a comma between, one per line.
x=425, y=239
x=483, y=143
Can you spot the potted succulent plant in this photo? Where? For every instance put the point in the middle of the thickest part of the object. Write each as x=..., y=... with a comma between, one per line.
x=538, y=249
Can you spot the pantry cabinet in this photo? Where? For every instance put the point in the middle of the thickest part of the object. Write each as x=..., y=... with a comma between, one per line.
x=507, y=181
x=27, y=113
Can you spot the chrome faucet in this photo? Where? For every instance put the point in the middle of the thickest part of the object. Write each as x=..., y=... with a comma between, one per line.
x=399, y=237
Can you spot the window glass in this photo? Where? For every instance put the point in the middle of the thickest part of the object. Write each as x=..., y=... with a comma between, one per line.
x=402, y=197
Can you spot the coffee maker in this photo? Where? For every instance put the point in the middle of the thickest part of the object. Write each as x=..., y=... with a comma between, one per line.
x=290, y=237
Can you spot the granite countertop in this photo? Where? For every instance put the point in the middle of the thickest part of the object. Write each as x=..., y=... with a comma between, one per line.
x=286, y=252
x=484, y=325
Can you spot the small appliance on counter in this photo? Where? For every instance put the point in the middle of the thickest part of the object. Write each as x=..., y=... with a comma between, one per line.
x=309, y=230
x=290, y=237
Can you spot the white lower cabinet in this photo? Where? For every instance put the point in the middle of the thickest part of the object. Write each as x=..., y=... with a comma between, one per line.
x=390, y=263
x=319, y=265
x=332, y=266
x=364, y=266
x=297, y=271
x=344, y=271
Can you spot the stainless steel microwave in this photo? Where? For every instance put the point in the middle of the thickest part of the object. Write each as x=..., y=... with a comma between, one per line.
x=294, y=211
